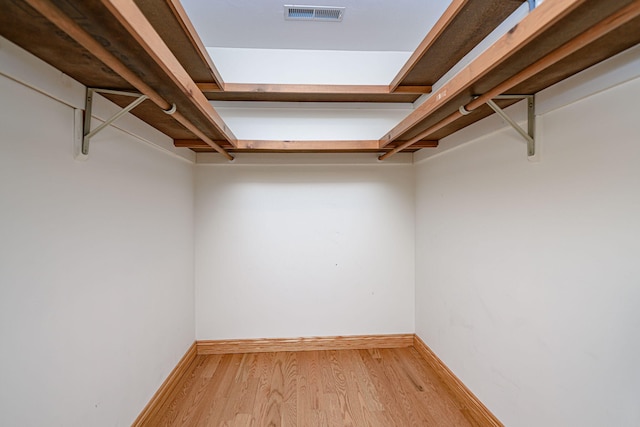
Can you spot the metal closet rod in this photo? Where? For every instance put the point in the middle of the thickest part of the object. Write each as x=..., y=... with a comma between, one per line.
x=53, y=14
x=605, y=26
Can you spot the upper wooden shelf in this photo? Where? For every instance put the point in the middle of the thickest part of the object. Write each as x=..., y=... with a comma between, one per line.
x=594, y=29
x=462, y=26
x=93, y=42
x=346, y=146
x=176, y=30
x=170, y=20
x=112, y=44
x=312, y=93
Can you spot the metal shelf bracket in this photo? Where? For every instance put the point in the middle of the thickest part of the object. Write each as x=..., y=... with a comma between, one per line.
x=529, y=134
x=87, y=133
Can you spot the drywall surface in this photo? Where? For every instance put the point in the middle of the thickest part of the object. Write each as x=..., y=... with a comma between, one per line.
x=298, y=66
x=296, y=251
x=310, y=121
x=527, y=274
x=96, y=267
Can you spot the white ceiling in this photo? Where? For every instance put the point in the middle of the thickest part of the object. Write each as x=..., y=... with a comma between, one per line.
x=368, y=25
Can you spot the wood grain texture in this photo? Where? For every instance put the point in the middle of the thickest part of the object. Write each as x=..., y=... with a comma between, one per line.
x=304, y=344
x=461, y=27
x=189, y=30
x=330, y=146
x=311, y=88
x=436, y=31
x=79, y=35
x=137, y=25
x=565, y=22
x=619, y=19
x=173, y=24
x=311, y=93
x=372, y=387
x=135, y=54
x=470, y=403
x=533, y=25
x=168, y=387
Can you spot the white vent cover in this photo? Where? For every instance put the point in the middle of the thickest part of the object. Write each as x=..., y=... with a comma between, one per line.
x=313, y=13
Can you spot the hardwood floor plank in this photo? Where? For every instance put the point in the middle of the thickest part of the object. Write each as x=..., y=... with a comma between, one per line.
x=290, y=396
x=241, y=420
x=439, y=399
x=358, y=395
x=303, y=393
x=270, y=390
x=241, y=395
x=216, y=393
x=401, y=388
x=384, y=386
x=250, y=383
x=366, y=386
x=319, y=388
x=275, y=397
x=328, y=394
x=176, y=400
x=186, y=399
x=347, y=392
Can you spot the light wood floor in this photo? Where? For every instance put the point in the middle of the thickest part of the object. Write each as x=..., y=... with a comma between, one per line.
x=386, y=387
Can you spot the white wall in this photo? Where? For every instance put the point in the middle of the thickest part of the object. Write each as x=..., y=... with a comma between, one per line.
x=527, y=274
x=304, y=250
x=96, y=263
x=310, y=121
x=297, y=66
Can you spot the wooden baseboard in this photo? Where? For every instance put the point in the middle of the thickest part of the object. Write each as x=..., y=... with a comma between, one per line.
x=167, y=387
x=359, y=342
x=480, y=414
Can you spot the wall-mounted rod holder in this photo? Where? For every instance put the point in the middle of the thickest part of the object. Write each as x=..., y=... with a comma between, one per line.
x=529, y=134
x=87, y=133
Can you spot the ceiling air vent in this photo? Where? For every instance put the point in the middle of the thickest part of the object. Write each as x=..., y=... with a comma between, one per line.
x=313, y=13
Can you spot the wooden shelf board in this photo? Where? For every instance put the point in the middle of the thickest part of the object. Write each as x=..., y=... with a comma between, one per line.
x=463, y=25
x=257, y=146
x=312, y=97
x=174, y=27
x=33, y=32
x=312, y=93
x=580, y=19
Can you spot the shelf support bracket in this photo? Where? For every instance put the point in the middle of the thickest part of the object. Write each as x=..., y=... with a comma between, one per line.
x=529, y=134
x=87, y=133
